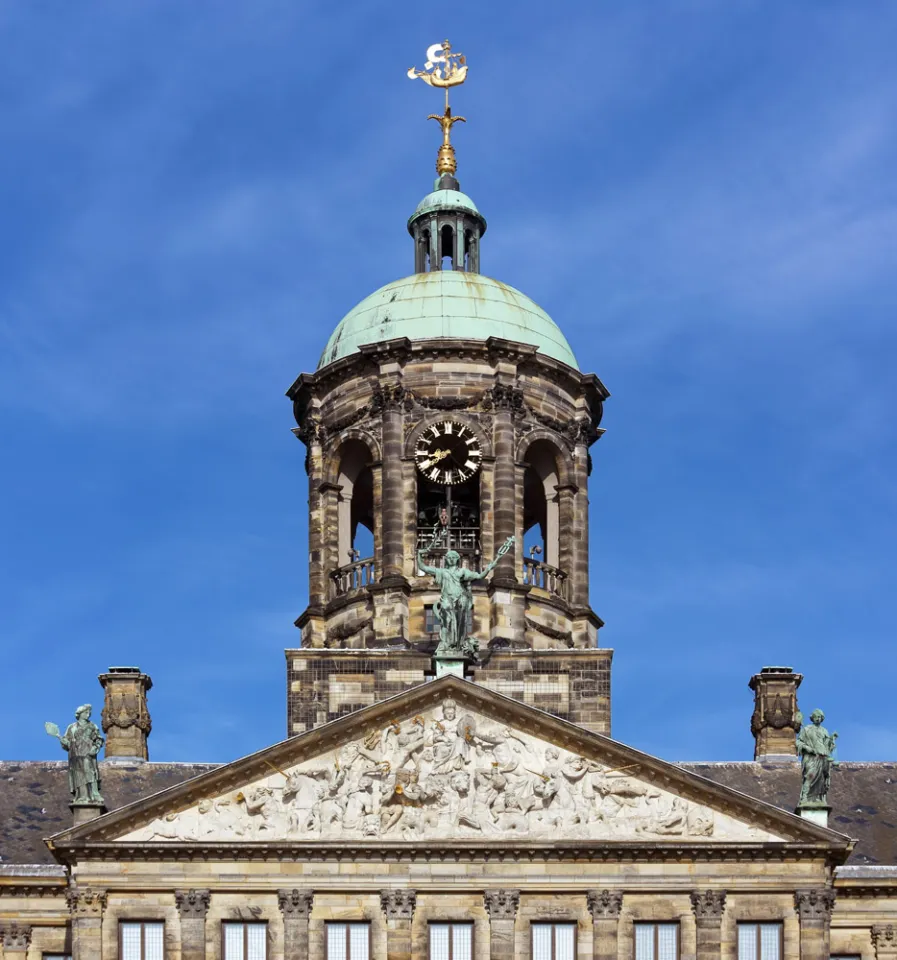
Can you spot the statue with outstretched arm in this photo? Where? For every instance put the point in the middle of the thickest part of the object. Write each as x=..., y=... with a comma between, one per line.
x=456, y=600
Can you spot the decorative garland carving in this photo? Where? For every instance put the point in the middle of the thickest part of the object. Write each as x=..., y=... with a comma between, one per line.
x=337, y=636
x=124, y=710
x=565, y=635
x=504, y=397
x=391, y=397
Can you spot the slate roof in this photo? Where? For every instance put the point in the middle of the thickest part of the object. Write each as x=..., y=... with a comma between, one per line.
x=34, y=799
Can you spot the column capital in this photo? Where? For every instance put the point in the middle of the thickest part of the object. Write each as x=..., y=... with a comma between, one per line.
x=398, y=904
x=295, y=904
x=15, y=936
x=501, y=904
x=884, y=938
x=814, y=906
x=604, y=904
x=192, y=904
x=85, y=901
x=708, y=905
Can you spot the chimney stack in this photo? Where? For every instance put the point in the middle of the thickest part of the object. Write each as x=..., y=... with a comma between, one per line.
x=126, y=719
x=773, y=722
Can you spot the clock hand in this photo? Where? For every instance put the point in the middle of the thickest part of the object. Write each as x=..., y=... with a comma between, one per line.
x=435, y=457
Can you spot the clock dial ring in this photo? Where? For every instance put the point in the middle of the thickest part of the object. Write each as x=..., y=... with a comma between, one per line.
x=448, y=452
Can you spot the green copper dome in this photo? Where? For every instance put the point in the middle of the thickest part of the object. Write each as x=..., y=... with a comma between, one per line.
x=447, y=304
x=446, y=200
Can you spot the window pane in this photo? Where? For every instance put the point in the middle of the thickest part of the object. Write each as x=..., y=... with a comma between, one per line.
x=747, y=941
x=336, y=941
x=770, y=941
x=541, y=941
x=563, y=941
x=154, y=941
x=130, y=941
x=667, y=941
x=233, y=941
x=644, y=941
x=462, y=941
x=359, y=941
x=439, y=941
x=256, y=937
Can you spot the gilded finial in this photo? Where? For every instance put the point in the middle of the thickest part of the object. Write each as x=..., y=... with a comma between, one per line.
x=443, y=69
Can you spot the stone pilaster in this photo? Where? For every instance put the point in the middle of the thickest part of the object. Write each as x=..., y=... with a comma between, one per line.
x=504, y=495
x=398, y=908
x=295, y=905
x=86, y=907
x=708, y=907
x=579, y=571
x=193, y=905
x=310, y=434
x=884, y=940
x=393, y=493
x=126, y=717
x=814, y=909
x=16, y=939
x=773, y=722
x=501, y=905
x=605, y=906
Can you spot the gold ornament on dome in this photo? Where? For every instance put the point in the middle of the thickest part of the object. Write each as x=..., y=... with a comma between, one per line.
x=443, y=69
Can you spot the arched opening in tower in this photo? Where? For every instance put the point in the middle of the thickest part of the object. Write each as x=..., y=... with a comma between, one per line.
x=449, y=517
x=541, y=536
x=356, y=504
x=446, y=248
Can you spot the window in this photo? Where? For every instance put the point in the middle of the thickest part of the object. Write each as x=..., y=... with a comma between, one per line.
x=141, y=940
x=759, y=941
x=657, y=941
x=554, y=941
x=451, y=941
x=244, y=941
x=348, y=941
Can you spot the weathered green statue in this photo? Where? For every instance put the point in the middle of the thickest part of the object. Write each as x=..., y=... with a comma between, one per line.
x=456, y=601
x=82, y=741
x=815, y=747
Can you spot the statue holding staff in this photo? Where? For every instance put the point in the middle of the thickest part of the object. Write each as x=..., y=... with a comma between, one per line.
x=456, y=601
x=82, y=741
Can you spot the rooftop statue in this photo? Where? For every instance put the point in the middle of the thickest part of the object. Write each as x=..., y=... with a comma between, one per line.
x=815, y=747
x=82, y=741
x=456, y=600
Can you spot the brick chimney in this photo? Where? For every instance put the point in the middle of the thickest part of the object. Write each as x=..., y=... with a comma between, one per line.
x=775, y=707
x=126, y=719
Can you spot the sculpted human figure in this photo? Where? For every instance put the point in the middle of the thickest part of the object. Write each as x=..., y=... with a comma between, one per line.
x=456, y=601
x=815, y=746
x=82, y=741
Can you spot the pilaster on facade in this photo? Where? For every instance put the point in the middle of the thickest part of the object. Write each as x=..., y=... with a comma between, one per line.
x=192, y=904
x=605, y=904
x=16, y=938
x=501, y=905
x=708, y=906
x=86, y=902
x=814, y=910
x=605, y=907
x=86, y=906
x=398, y=904
x=296, y=907
x=884, y=940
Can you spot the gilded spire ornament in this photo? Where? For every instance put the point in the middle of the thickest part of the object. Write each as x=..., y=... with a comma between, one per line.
x=443, y=69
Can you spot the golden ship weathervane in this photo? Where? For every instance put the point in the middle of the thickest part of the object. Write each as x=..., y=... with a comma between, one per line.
x=443, y=69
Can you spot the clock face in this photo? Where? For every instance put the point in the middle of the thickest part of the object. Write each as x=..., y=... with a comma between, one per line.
x=448, y=452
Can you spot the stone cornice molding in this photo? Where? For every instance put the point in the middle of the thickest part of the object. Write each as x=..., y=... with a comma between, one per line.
x=85, y=901
x=15, y=936
x=192, y=904
x=814, y=906
x=295, y=904
x=398, y=904
x=708, y=905
x=501, y=904
x=605, y=904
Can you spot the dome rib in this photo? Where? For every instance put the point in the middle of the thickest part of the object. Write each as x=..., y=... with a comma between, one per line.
x=449, y=305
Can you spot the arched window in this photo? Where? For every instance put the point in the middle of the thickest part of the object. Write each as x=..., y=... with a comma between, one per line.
x=447, y=248
x=356, y=503
x=540, y=503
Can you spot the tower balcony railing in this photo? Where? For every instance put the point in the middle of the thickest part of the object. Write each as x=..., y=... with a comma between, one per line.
x=545, y=577
x=353, y=576
x=465, y=541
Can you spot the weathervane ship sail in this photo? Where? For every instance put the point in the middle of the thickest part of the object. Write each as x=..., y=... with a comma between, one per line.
x=443, y=69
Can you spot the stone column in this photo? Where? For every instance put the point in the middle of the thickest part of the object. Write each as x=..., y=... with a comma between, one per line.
x=884, y=939
x=708, y=907
x=295, y=905
x=814, y=909
x=393, y=491
x=504, y=496
x=193, y=905
x=605, y=906
x=126, y=718
x=16, y=939
x=501, y=905
x=86, y=907
x=398, y=908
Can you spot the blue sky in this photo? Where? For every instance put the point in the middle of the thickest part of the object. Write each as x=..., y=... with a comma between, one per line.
x=702, y=194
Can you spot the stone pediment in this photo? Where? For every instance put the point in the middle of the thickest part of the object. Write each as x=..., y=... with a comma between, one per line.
x=447, y=762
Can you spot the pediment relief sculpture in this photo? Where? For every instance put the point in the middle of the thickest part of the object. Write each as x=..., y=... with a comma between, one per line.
x=447, y=774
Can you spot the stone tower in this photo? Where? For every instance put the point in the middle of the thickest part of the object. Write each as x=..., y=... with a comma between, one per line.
x=447, y=410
